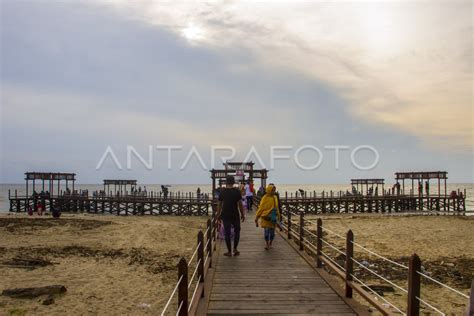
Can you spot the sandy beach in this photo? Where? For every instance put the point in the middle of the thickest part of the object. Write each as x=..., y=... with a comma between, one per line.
x=109, y=265
x=445, y=245
x=126, y=265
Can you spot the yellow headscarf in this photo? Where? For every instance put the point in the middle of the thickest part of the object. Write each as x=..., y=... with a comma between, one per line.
x=268, y=202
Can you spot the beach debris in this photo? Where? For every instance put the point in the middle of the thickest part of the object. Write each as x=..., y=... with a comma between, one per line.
x=49, y=300
x=23, y=225
x=27, y=262
x=32, y=292
x=144, y=305
x=379, y=289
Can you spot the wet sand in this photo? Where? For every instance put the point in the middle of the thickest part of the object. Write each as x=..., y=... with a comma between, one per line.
x=445, y=245
x=109, y=265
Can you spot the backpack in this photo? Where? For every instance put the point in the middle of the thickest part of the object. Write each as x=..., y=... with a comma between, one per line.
x=273, y=215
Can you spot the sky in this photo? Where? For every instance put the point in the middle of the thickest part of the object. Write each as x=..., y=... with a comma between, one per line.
x=79, y=78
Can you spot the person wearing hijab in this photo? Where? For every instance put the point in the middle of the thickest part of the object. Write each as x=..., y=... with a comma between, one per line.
x=269, y=215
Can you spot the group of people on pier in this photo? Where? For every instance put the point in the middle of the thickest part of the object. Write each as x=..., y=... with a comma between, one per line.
x=231, y=212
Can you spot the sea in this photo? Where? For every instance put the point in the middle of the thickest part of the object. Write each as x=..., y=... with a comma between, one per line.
x=206, y=188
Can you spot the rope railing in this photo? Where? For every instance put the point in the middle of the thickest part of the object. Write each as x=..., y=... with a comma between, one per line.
x=171, y=296
x=414, y=269
x=333, y=261
x=203, y=253
x=430, y=306
x=310, y=232
x=378, y=295
x=194, y=254
x=179, y=308
x=379, y=256
x=443, y=285
x=335, y=248
x=379, y=276
x=335, y=234
x=190, y=282
x=194, y=293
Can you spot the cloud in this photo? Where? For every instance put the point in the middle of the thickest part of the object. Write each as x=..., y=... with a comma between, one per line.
x=77, y=77
x=396, y=63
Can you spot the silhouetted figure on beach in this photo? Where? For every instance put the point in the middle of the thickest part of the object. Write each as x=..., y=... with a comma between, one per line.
x=427, y=187
x=302, y=193
x=165, y=191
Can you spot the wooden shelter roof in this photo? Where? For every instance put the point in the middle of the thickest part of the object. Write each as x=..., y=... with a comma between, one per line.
x=421, y=175
x=367, y=181
x=120, y=182
x=50, y=176
x=245, y=166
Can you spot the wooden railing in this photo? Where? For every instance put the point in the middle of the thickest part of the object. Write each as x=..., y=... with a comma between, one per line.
x=338, y=202
x=202, y=256
x=151, y=204
x=315, y=244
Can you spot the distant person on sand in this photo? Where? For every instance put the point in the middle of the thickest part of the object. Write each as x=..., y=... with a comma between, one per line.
x=40, y=208
x=269, y=215
x=230, y=204
x=55, y=211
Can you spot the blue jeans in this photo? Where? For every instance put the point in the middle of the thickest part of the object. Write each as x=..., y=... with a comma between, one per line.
x=269, y=233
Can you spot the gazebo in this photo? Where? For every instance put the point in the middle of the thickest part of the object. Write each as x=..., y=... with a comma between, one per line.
x=245, y=170
x=367, y=182
x=122, y=185
x=420, y=176
x=49, y=178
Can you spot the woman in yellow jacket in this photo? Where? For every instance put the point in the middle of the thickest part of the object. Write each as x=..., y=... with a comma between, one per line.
x=269, y=214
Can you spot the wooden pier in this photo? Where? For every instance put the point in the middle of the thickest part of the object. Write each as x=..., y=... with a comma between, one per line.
x=137, y=202
x=175, y=204
x=324, y=204
x=274, y=282
x=292, y=278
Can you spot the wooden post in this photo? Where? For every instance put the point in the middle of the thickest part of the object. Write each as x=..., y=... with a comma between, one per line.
x=470, y=304
x=349, y=262
x=289, y=223
x=209, y=240
x=183, y=287
x=301, y=230
x=413, y=307
x=319, y=243
x=200, y=274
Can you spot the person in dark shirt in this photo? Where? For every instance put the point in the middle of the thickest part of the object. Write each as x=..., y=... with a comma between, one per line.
x=229, y=207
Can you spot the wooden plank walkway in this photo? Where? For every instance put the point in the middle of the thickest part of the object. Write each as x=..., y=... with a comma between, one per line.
x=276, y=282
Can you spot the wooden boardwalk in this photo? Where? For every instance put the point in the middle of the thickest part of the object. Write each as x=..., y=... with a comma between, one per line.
x=275, y=282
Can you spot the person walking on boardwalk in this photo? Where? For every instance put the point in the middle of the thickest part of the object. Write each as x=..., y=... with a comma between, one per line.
x=249, y=195
x=228, y=209
x=269, y=214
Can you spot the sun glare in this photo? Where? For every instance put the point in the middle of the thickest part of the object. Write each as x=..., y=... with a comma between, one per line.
x=192, y=33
